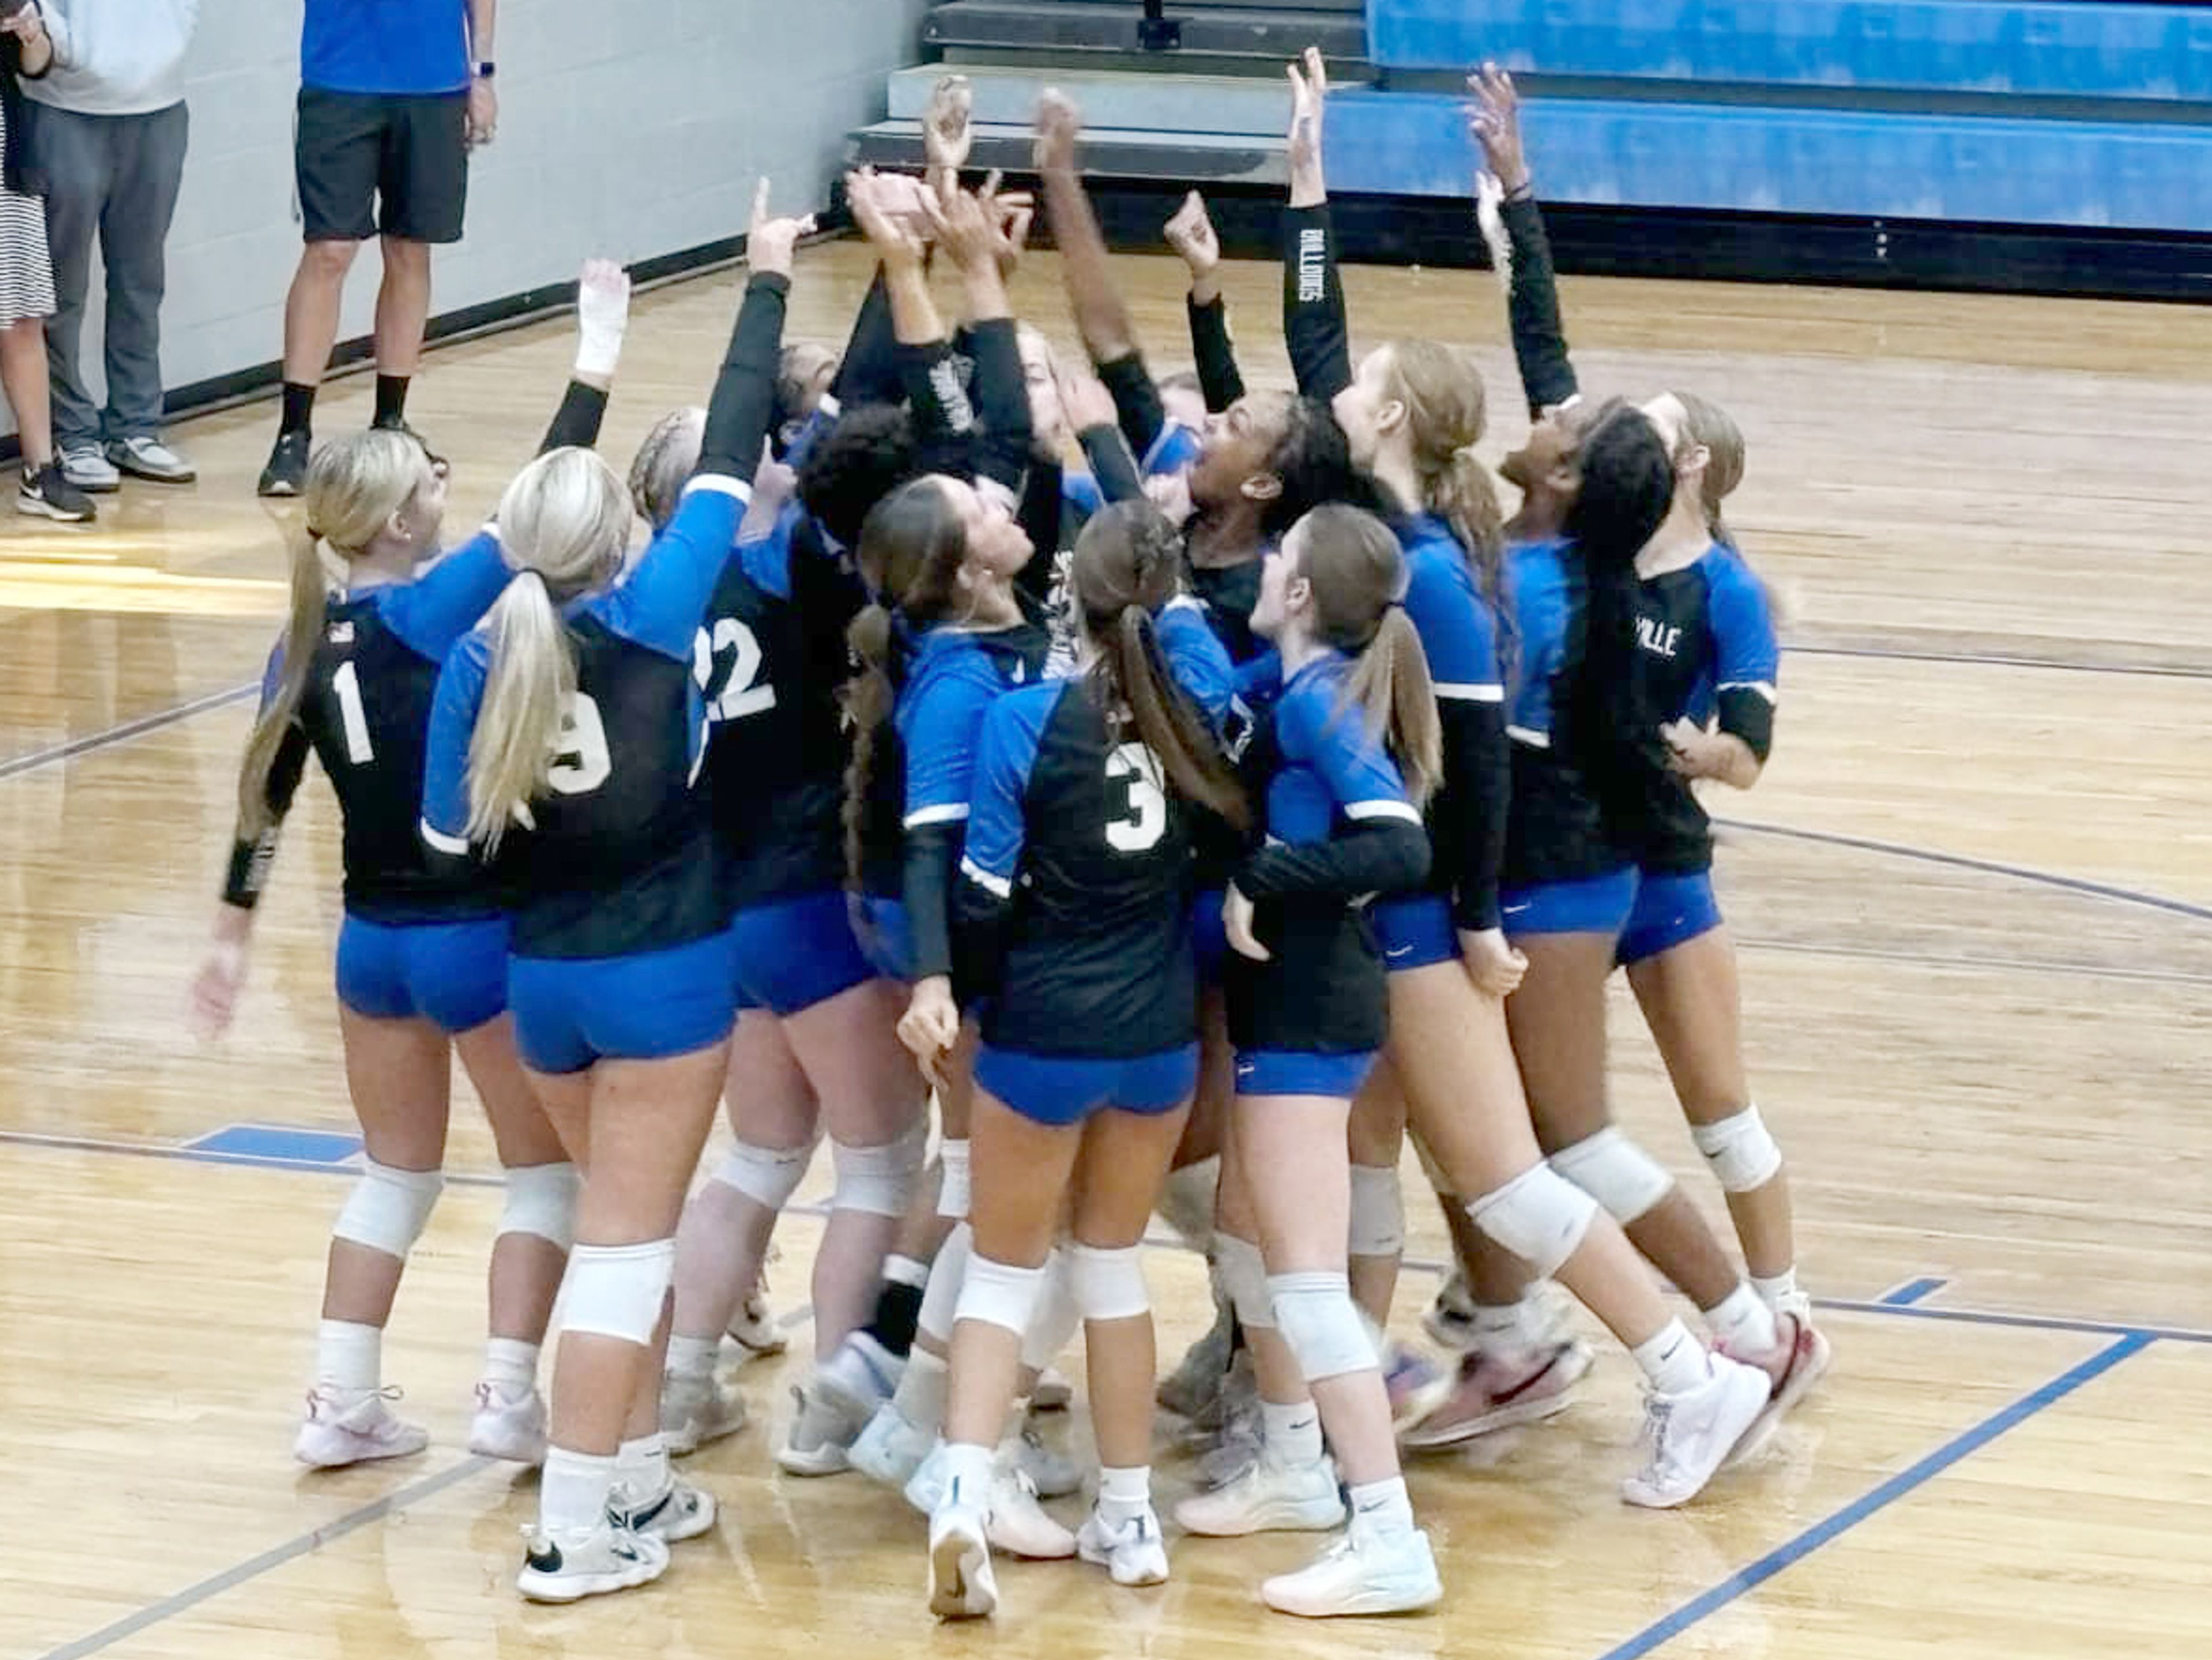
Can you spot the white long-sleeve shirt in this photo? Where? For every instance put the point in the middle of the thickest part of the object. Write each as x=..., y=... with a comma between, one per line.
x=116, y=56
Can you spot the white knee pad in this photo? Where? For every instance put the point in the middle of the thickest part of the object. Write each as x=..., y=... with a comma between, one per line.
x=1744, y=1157
x=617, y=1290
x=1378, y=1211
x=1056, y=1317
x=940, y=1298
x=388, y=1208
x=767, y=1175
x=541, y=1200
x=1108, y=1285
x=1540, y=1216
x=952, y=1191
x=1244, y=1278
x=1321, y=1324
x=1616, y=1172
x=879, y=1180
x=999, y=1294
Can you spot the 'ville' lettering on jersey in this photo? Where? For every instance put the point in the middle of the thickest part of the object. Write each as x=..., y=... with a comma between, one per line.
x=1660, y=639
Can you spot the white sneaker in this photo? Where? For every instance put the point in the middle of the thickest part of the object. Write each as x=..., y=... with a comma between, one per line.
x=580, y=1562
x=754, y=1331
x=1366, y=1571
x=890, y=1449
x=1013, y=1520
x=347, y=1428
x=960, y=1583
x=1053, y=1474
x=682, y=1511
x=150, y=457
x=506, y=1426
x=87, y=466
x=1800, y=1358
x=1267, y=1498
x=819, y=1439
x=1053, y=1393
x=1130, y=1549
x=859, y=1377
x=1690, y=1436
x=694, y=1410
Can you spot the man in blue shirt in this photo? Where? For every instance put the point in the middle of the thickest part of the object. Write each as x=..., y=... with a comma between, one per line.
x=392, y=95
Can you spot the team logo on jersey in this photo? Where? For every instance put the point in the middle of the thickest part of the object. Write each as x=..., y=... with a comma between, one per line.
x=1657, y=637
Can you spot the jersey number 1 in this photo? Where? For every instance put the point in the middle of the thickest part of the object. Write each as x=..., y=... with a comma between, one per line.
x=346, y=683
x=1144, y=817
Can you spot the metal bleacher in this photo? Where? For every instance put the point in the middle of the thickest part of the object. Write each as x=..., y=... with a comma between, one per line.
x=2007, y=144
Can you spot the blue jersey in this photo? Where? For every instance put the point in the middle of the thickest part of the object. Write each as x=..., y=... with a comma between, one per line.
x=1339, y=829
x=1555, y=831
x=364, y=710
x=1705, y=652
x=411, y=46
x=1077, y=869
x=617, y=857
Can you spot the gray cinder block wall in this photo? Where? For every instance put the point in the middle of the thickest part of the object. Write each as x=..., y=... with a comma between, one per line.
x=628, y=128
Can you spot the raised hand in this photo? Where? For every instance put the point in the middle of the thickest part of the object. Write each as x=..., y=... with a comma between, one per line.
x=1494, y=122
x=1191, y=234
x=1059, y=125
x=770, y=241
x=602, y=318
x=966, y=224
x=1016, y=212
x=1309, y=93
x=948, y=130
x=880, y=203
x=1084, y=397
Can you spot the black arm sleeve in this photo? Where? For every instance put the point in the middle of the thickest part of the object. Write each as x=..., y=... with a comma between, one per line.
x=980, y=921
x=1136, y=400
x=1112, y=464
x=933, y=860
x=1006, y=431
x=944, y=419
x=1540, y=339
x=1313, y=304
x=577, y=422
x=250, y=862
x=1039, y=515
x=869, y=371
x=1469, y=818
x=1748, y=714
x=744, y=400
x=1376, y=856
x=1216, y=353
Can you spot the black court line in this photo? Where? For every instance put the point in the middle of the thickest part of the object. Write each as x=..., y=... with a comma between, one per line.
x=2004, y=660
x=1970, y=960
x=16, y=766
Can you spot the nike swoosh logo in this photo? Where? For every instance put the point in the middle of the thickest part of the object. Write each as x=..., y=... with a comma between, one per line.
x=1515, y=911
x=1402, y=951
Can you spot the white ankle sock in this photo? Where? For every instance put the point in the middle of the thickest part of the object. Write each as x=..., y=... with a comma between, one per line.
x=642, y=1466
x=906, y=1271
x=967, y=1469
x=511, y=1366
x=920, y=1398
x=1779, y=1291
x=1383, y=1505
x=348, y=1355
x=1673, y=1362
x=1743, y=1320
x=692, y=1357
x=572, y=1492
x=1290, y=1435
x=1125, y=1494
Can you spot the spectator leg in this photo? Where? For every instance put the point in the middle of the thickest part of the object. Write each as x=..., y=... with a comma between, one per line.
x=134, y=232
x=73, y=153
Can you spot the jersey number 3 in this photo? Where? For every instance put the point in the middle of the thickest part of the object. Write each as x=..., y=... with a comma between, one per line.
x=1143, y=819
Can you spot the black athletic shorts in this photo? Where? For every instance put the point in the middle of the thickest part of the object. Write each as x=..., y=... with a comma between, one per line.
x=375, y=162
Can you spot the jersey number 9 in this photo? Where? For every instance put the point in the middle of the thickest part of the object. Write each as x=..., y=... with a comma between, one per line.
x=581, y=761
x=1143, y=817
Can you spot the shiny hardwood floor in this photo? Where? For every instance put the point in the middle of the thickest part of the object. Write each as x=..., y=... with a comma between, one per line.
x=1974, y=895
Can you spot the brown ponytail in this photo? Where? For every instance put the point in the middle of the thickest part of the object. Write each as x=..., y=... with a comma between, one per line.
x=868, y=696
x=1390, y=685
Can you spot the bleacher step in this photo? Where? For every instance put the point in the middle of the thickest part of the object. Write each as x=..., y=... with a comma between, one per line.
x=1277, y=34
x=1173, y=156
x=1007, y=96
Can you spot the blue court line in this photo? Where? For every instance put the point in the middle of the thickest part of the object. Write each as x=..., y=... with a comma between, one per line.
x=291, y=1550
x=2005, y=660
x=1911, y=1291
x=16, y=766
x=1986, y=866
x=1796, y=1550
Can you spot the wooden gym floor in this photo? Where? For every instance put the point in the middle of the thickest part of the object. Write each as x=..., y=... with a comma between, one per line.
x=1974, y=897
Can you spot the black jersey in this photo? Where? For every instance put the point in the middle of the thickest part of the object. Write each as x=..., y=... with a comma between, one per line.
x=1706, y=650
x=1229, y=593
x=1556, y=832
x=617, y=857
x=1077, y=870
x=364, y=710
x=776, y=749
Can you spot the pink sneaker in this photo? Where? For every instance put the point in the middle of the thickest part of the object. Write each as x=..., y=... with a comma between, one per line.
x=353, y=1428
x=1496, y=1392
x=1415, y=1383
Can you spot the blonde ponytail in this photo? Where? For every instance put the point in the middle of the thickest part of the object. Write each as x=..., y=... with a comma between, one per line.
x=532, y=677
x=303, y=632
x=1390, y=686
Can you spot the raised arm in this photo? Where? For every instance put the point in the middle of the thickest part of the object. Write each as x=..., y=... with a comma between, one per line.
x=602, y=318
x=1314, y=326
x=1540, y=340
x=1191, y=233
x=967, y=227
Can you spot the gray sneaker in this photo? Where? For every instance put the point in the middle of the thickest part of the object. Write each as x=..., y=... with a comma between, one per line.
x=87, y=467
x=150, y=457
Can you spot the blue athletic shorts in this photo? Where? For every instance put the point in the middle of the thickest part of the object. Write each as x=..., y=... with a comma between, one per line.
x=1209, y=939
x=452, y=974
x=795, y=953
x=1060, y=1089
x=1600, y=905
x=570, y=1012
x=1415, y=932
x=1670, y=911
x=1289, y=1071
x=880, y=927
